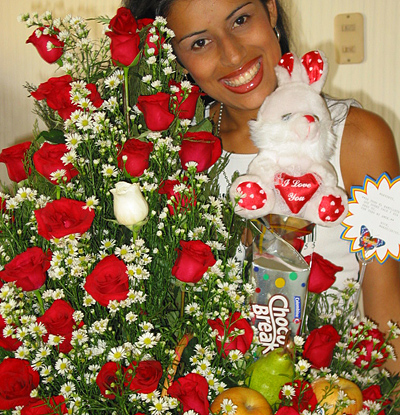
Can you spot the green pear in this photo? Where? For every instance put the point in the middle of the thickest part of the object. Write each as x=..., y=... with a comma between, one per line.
x=270, y=372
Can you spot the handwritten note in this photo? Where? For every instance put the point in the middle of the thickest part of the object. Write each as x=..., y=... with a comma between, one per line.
x=373, y=222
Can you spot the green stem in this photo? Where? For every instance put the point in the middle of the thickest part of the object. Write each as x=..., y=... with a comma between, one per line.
x=40, y=301
x=126, y=86
x=182, y=303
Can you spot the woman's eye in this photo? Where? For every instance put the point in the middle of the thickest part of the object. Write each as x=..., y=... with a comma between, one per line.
x=200, y=43
x=241, y=20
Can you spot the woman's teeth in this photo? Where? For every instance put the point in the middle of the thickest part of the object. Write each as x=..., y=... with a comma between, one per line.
x=245, y=77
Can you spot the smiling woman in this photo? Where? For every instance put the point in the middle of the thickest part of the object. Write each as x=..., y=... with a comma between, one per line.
x=230, y=48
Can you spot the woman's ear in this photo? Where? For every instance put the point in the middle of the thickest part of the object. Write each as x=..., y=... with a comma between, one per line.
x=273, y=11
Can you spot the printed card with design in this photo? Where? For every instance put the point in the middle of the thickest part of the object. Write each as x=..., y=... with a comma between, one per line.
x=373, y=225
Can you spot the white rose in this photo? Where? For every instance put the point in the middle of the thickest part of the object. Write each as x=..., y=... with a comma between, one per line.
x=130, y=206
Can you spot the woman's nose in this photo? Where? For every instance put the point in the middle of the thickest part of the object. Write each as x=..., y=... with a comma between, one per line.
x=232, y=51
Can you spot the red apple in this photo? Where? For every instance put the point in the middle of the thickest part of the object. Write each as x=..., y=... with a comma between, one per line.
x=327, y=392
x=248, y=402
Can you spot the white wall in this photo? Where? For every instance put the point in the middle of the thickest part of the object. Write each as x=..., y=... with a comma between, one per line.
x=376, y=81
x=20, y=62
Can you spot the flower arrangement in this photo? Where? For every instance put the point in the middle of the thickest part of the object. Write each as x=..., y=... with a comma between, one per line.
x=119, y=288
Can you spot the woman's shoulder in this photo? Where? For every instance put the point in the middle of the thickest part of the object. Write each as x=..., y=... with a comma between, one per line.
x=368, y=147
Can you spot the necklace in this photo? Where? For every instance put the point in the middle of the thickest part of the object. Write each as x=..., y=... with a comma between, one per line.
x=219, y=118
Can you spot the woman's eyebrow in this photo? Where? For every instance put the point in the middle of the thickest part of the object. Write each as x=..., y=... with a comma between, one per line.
x=237, y=9
x=227, y=18
x=191, y=34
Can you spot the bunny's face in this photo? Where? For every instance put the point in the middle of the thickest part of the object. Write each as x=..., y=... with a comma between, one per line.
x=295, y=116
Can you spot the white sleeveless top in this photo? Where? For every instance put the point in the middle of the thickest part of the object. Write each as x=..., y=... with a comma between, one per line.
x=327, y=240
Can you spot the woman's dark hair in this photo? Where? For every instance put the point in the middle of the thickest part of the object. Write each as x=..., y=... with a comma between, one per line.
x=152, y=8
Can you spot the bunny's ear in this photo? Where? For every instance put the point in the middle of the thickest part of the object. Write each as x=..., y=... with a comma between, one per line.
x=287, y=62
x=284, y=70
x=316, y=67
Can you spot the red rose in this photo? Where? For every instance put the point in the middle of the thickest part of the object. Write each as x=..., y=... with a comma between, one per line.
x=144, y=22
x=17, y=381
x=319, y=346
x=146, y=376
x=51, y=406
x=63, y=217
x=108, y=380
x=322, y=274
x=373, y=341
x=123, y=22
x=124, y=48
x=94, y=95
x=137, y=153
x=191, y=391
x=194, y=259
x=180, y=202
x=201, y=147
x=48, y=159
x=286, y=410
x=56, y=92
x=108, y=281
x=150, y=44
x=7, y=343
x=228, y=338
x=124, y=37
x=59, y=321
x=186, y=104
x=156, y=111
x=28, y=269
x=14, y=158
x=373, y=394
x=41, y=43
x=304, y=398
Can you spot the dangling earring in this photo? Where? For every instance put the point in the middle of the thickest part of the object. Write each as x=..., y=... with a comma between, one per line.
x=277, y=33
x=185, y=76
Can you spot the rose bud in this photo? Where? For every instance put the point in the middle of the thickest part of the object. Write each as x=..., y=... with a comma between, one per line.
x=320, y=344
x=156, y=111
x=14, y=159
x=202, y=147
x=322, y=274
x=130, y=206
x=50, y=47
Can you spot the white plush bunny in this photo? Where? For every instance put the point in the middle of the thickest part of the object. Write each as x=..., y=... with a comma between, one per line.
x=291, y=174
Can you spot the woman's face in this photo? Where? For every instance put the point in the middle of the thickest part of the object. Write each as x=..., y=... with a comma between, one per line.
x=229, y=47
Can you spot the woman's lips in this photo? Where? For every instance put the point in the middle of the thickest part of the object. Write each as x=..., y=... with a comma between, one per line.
x=245, y=78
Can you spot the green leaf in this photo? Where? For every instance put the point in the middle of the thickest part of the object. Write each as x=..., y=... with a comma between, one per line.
x=204, y=125
x=52, y=136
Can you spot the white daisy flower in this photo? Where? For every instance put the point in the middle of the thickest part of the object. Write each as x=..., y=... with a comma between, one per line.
x=147, y=340
x=228, y=407
x=302, y=366
x=67, y=389
x=116, y=354
x=109, y=171
x=63, y=366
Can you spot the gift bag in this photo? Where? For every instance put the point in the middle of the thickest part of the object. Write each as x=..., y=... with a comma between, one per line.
x=281, y=276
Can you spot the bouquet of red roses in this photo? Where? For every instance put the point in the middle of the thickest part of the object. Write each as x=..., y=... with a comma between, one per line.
x=114, y=244
x=119, y=288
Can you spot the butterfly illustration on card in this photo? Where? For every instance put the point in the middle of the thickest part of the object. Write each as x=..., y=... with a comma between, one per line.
x=367, y=241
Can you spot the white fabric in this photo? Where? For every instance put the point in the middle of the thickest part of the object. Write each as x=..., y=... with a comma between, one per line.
x=328, y=242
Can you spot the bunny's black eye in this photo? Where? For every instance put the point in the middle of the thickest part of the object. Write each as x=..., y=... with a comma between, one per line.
x=286, y=116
